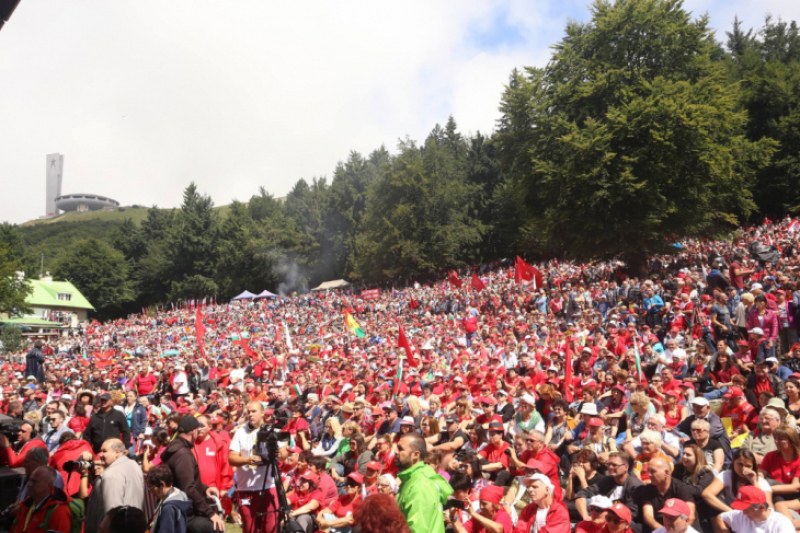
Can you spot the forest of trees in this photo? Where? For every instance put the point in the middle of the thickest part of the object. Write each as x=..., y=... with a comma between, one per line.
x=642, y=128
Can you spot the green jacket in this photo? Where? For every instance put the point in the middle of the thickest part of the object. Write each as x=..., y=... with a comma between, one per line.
x=422, y=494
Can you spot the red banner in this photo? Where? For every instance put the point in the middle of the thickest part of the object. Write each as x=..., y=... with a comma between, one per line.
x=371, y=294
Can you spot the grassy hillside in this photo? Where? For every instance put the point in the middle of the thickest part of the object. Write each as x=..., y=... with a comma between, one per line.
x=137, y=214
x=50, y=237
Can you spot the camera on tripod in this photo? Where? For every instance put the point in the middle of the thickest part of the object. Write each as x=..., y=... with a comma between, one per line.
x=267, y=439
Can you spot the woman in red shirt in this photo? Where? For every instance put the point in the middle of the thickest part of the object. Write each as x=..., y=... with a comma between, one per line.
x=782, y=466
x=340, y=513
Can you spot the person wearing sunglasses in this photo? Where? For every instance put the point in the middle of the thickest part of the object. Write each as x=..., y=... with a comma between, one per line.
x=598, y=508
x=618, y=519
x=619, y=484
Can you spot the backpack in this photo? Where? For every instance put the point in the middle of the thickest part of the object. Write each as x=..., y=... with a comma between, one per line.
x=77, y=512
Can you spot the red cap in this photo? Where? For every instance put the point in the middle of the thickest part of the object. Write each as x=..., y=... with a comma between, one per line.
x=311, y=476
x=749, y=495
x=595, y=422
x=622, y=512
x=374, y=465
x=734, y=392
x=492, y=494
x=675, y=507
x=355, y=476
x=488, y=400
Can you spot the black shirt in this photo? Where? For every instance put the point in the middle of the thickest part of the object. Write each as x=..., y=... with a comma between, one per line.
x=649, y=495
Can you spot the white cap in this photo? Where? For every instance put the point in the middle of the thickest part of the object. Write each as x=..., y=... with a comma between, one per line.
x=699, y=400
x=600, y=501
x=772, y=360
x=529, y=399
x=589, y=408
x=756, y=331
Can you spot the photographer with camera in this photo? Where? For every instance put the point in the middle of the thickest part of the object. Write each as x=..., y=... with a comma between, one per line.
x=256, y=494
x=66, y=459
x=14, y=455
x=121, y=484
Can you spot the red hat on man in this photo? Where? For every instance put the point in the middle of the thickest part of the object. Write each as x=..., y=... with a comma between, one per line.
x=675, y=507
x=734, y=392
x=749, y=495
x=622, y=512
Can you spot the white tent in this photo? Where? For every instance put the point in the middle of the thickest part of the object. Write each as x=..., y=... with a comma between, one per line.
x=246, y=295
x=266, y=294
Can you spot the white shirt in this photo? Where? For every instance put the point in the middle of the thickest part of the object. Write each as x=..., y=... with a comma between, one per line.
x=180, y=383
x=726, y=476
x=249, y=477
x=775, y=523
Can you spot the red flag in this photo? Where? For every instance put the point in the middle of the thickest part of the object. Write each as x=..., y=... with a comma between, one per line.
x=413, y=304
x=568, y=373
x=104, y=358
x=402, y=342
x=453, y=278
x=525, y=272
x=200, y=331
x=477, y=283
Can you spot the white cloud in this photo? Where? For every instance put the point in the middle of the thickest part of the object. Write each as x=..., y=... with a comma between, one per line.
x=143, y=97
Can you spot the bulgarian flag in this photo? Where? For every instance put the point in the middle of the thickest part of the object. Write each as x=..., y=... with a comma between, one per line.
x=398, y=378
x=638, y=360
x=353, y=326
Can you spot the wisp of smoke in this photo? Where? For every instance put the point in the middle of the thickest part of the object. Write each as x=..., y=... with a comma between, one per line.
x=291, y=276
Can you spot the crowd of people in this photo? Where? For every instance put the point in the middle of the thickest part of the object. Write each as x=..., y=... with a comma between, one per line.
x=583, y=399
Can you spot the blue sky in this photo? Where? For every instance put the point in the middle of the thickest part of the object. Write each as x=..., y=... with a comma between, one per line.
x=144, y=97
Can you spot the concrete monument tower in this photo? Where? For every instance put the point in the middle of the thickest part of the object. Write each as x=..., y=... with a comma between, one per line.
x=55, y=167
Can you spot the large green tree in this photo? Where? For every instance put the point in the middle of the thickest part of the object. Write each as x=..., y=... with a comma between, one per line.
x=630, y=136
x=13, y=289
x=420, y=212
x=192, y=247
x=767, y=67
x=100, y=272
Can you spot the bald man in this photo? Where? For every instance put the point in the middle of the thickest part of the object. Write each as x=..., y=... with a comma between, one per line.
x=121, y=483
x=662, y=487
x=258, y=507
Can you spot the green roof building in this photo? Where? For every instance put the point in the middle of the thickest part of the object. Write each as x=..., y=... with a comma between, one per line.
x=57, y=301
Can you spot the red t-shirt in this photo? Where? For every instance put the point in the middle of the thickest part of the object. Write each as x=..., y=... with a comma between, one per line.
x=145, y=384
x=495, y=454
x=298, y=499
x=344, y=506
x=206, y=455
x=501, y=518
x=587, y=526
x=778, y=469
